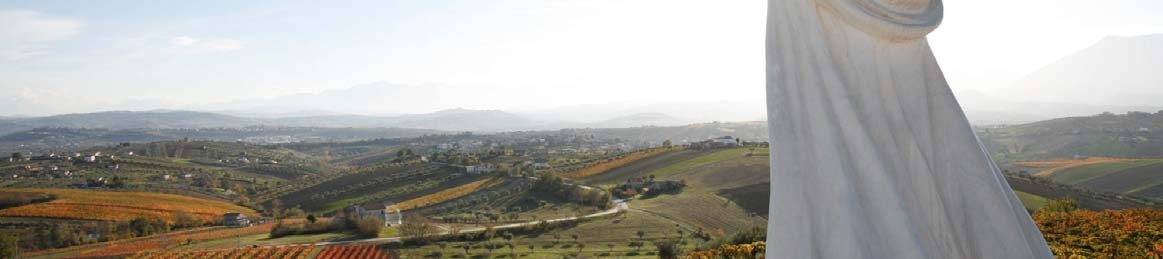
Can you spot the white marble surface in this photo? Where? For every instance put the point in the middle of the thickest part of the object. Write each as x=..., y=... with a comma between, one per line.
x=871, y=155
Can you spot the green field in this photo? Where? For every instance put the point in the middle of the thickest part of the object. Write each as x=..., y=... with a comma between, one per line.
x=1032, y=202
x=1085, y=173
x=713, y=157
x=641, y=168
x=706, y=173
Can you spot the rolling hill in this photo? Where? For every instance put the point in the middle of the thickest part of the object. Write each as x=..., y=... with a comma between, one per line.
x=120, y=206
x=1131, y=135
x=1115, y=70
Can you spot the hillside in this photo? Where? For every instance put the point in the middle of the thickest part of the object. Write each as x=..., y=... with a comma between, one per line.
x=1115, y=70
x=135, y=120
x=1137, y=178
x=375, y=184
x=120, y=206
x=1108, y=135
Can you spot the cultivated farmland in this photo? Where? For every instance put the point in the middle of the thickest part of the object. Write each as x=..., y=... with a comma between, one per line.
x=120, y=206
x=396, y=182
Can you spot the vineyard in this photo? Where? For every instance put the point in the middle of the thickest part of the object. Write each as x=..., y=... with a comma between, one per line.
x=160, y=242
x=284, y=252
x=353, y=252
x=739, y=251
x=374, y=183
x=1128, y=233
x=611, y=163
x=298, y=251
x=449, y=194
x=121, y=206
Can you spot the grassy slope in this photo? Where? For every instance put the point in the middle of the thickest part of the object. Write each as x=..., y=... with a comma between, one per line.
x=707, y=173
x=1032, y=202
x=641, y=168
x=698, y=204
x=716, y=156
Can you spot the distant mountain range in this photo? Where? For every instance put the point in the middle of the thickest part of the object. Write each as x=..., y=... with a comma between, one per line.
x=446, y=120
x=1116, y=74
x=1114, y=71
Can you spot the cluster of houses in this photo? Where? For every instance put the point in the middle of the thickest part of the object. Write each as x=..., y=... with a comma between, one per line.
x=717, y=142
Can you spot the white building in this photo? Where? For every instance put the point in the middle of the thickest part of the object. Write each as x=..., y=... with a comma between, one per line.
x=483, y=168
x=386, y=211
x=725, y=140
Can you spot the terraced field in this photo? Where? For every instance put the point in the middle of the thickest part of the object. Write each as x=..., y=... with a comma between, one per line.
x=1080, y=174
x=641, y=168
x=120, y=206
x=396, y=183
x=1138, y=178
x=1032, y=202
x=1059, y=192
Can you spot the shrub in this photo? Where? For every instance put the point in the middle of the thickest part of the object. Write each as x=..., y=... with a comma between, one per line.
x=368, y=227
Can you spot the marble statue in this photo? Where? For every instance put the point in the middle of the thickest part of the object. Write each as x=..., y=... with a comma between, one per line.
x=871, y=155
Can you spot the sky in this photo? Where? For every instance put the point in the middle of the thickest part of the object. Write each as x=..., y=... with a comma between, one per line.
x=85, y=56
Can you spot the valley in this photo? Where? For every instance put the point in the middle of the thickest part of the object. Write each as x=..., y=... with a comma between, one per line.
x=584, y=192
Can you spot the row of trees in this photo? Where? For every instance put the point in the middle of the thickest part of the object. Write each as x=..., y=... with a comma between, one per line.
x=364, y=227
x=552, y=184
x=63, y=234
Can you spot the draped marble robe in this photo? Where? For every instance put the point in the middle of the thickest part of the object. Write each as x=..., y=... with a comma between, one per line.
x=871, y=155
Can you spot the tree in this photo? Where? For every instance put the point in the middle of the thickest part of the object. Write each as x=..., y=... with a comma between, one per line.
x=641, y=234
x=512, y=252
x=490, y=247
x=311, y=218
x=368, y=227
x=417, y=229
x=9, y=247
x=1061, y=205
x=276, y=208
x=183, y=218
x=17, y=156
x=611, y=246
x=666, y=143
x=667, y=248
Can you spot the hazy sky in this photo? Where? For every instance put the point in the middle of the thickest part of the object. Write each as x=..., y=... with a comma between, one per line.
x=80, y=56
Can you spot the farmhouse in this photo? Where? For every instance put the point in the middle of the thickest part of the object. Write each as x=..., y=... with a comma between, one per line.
x=483, y=168
x=386, y=211
x=725, y=141
x=540, y=163
x=235, y=219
